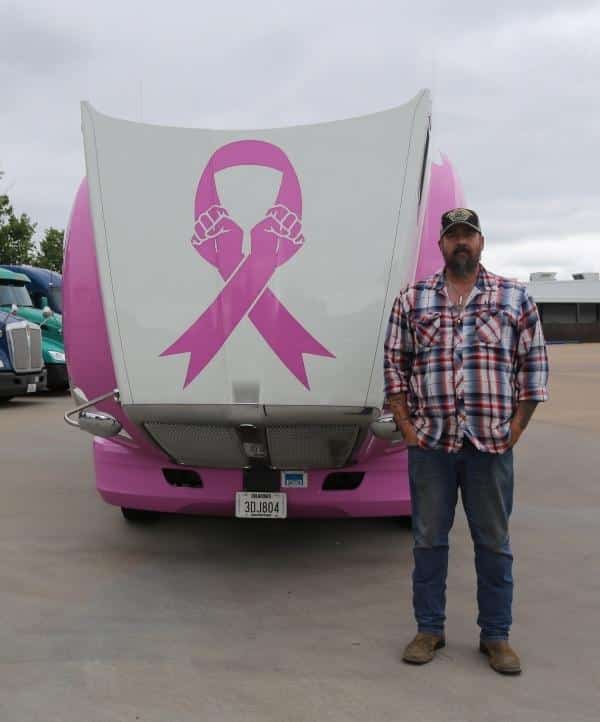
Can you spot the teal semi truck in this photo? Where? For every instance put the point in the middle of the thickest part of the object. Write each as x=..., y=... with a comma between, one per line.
x=45, y=285
x=15, y=297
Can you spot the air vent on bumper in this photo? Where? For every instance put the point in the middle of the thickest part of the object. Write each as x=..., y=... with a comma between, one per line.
x=343, y=480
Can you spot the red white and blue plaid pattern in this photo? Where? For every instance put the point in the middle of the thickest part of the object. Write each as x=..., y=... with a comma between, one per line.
x=464, y=373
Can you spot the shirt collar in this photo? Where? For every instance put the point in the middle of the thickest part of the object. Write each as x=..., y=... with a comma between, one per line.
x=485, y=280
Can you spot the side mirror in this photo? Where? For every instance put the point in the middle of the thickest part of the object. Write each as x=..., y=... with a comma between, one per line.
x=43, y=301
x=47, y=312
x=14, y=308
x=385, y=428
x=99, y=424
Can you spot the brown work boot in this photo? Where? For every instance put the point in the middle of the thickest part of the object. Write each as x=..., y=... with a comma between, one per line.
x=503, y=658
x=422, y=649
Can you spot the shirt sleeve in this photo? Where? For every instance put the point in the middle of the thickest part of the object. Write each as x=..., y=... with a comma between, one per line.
x=398, y=349
x=532, y=357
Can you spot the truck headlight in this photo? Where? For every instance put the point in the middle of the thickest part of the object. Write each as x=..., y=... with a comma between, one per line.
x=57, y=356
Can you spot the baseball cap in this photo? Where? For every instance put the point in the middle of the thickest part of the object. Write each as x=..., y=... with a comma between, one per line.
x=456, y=216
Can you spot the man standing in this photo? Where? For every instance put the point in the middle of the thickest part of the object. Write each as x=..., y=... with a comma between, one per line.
x=465, y=366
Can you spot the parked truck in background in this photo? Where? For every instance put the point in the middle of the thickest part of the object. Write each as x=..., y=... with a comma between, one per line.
x=15, y=297
x=45, y=286
x=21, y=360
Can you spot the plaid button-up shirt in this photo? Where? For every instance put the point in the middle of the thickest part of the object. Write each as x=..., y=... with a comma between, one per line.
x=464, y=373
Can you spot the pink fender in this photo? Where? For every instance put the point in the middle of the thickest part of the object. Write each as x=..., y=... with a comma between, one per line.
x=85, y=332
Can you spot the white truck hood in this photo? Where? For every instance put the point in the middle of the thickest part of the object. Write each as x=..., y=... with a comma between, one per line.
x=254, y=266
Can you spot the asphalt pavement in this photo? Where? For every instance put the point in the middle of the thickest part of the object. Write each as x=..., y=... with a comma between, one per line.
x=240, y=620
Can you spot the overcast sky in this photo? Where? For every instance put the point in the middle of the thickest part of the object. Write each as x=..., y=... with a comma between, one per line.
x=515, y=93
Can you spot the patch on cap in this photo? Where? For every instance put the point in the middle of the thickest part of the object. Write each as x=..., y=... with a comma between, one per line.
x=459, y=214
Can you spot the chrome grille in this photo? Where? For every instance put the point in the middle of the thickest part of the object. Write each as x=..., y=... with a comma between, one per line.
x=306, y=447
x=199, y=445
x=314, y=446
x=218, y=435
x=35, y=348
x=25, y=347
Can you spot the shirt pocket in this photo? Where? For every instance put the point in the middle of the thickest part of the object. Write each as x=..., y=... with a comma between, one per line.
x=492, y=325
x=427, y=330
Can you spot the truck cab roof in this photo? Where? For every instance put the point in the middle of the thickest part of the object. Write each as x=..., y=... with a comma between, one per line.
x=7, y=275
x=42, y=277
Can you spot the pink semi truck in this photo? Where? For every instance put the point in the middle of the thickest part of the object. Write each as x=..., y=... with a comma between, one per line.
x=226, y=297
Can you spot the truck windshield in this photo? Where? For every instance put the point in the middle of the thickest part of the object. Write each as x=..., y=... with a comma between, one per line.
x=14, y=294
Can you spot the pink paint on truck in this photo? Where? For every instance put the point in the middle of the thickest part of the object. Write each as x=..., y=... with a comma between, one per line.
x=269, y=421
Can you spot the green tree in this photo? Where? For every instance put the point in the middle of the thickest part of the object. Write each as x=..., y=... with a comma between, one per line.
x=51, y=250
x=16, y=235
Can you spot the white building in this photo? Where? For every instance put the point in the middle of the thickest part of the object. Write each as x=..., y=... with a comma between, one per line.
x=570, y=310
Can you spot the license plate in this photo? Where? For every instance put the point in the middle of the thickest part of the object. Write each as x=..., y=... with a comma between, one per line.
x=31, y=388
x=260, y=505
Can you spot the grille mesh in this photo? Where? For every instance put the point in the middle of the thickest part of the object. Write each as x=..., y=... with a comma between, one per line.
x=37, y=360
x=302, y=446
x=19, y=347
x=314, y=446
x=199, y=445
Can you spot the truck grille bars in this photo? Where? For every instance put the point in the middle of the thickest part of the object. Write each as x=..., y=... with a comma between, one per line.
x=235, y=436
x=25, y=346
x=303, y=446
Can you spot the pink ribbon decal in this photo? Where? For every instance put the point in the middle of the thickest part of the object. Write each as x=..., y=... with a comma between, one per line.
x=274, y=240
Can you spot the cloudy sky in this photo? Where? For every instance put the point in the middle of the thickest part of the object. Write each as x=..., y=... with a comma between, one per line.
x=515, y=91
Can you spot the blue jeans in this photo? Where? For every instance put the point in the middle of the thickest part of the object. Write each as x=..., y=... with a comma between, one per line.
x=486, y=486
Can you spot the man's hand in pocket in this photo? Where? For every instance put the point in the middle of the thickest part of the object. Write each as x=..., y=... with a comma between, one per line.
x=408, y=432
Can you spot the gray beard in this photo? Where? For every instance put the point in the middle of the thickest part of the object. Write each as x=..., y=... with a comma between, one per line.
x=463, y=265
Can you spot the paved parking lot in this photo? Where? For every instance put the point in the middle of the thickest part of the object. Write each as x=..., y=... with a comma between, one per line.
x=223, y=619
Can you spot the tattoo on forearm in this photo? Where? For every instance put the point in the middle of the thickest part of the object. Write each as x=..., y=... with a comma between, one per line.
x=398, y=405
